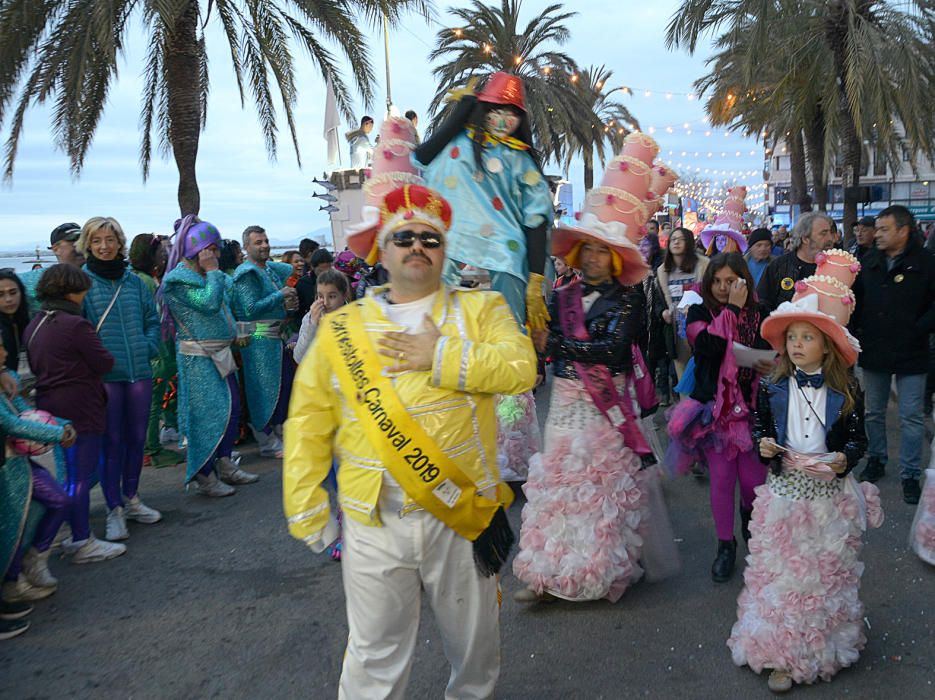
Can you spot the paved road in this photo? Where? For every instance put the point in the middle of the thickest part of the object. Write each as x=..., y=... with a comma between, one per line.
x=218, y=601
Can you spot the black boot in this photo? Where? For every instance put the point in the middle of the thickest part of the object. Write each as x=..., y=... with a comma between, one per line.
x=874, y=471
x=745, y=516
x=723, y=565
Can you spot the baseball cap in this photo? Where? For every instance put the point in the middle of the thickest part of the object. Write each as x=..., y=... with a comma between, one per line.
x=867, y=221
x=64, y=232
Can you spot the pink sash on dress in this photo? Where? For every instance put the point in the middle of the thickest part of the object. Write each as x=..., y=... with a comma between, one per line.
x=597, y=379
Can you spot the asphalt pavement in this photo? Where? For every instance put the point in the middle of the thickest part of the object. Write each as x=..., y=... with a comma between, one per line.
x=217, y=601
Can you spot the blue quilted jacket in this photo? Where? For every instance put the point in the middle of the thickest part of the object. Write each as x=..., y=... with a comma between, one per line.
x=131, y=332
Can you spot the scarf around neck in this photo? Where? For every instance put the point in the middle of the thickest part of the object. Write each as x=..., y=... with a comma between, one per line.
x=108, y=269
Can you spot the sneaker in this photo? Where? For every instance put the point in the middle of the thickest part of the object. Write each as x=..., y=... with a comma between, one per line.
x=911, y=491
x=94, y=550
x=139, y=512
x=212, y=487
x=14, y=611
x=36, y=568
x=12, y=628
x=63, y=535
x=874, y=471
x=527, y=595
x=117, y=525
x=272, y=448
x=779, y=682
x=168, y=436
x=234, y=475
x=22, y=591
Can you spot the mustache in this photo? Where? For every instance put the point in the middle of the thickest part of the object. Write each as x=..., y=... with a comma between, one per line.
x=417, y=255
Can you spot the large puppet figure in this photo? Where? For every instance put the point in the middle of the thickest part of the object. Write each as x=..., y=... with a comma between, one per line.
x=481, y=159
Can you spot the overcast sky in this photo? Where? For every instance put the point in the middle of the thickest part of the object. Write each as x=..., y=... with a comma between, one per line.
x=240, y=186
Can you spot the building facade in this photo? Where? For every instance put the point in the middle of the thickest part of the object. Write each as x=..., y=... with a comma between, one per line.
x=914, y=190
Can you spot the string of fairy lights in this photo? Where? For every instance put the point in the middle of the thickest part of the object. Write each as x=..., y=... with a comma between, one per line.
x=709, y=184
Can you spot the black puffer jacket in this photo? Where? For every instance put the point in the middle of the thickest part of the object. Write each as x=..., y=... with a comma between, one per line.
x=613, y=322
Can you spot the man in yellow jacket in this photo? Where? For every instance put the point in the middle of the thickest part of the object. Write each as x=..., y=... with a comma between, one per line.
x=400, y=387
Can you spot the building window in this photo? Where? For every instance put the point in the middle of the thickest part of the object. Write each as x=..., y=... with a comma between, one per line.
x=907, y=154
x=879, y=164
x=880, y=193
x=783, y=163
x=900, y=192
x=781, y=195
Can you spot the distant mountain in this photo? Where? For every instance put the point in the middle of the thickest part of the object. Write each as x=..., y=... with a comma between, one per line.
x=321, y=235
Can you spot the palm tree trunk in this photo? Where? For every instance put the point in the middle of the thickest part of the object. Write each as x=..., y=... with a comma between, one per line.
x=850, y=140
x=799, y=186
x=815, y=142
x=588, y=172
x=183, y=77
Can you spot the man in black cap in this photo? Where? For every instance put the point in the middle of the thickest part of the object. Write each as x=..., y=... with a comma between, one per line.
x=863, y=236
x=759, y=252
x=62, y=243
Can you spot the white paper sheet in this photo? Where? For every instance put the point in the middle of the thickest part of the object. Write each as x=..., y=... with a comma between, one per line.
x=747, y=357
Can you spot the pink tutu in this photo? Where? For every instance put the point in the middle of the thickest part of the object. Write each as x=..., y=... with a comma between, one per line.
x=799, y=610
x=580, y=537
x=922, y=535
x=518, y=435
x=692, y=430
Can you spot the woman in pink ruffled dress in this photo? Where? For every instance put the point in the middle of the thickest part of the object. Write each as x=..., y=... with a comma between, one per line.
x=594, y=509
x=799, y=613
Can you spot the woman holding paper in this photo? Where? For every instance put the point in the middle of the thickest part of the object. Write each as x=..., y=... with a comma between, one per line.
x=713, y=425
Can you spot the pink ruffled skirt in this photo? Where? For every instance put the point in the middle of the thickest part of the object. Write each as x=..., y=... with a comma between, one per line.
x=518, y=436
x=799, y=610
x=922, y=535
x=587, y=507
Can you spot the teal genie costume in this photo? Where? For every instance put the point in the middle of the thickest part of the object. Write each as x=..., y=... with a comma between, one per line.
x=197, y=312
x=22, y=517
x=257, y=298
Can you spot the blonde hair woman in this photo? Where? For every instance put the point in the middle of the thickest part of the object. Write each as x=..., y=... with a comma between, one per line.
x=123, y=313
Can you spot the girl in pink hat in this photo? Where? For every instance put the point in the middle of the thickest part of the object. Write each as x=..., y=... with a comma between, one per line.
x=799, y=613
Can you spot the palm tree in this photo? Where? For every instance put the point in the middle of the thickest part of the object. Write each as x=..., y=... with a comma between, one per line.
x=489, y=39
x=776, y=94
x=613, y=122
x=66, y=52
x=878, y=67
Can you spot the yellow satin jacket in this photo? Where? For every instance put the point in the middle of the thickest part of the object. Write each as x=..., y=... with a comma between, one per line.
x=481, y=353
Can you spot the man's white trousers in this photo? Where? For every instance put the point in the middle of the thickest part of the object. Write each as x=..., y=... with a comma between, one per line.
x=385, y=570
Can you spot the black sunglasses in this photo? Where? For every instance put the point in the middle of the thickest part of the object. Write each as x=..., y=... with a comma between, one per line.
x=405, y=238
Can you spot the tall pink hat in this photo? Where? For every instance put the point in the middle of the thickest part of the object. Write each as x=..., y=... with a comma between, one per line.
x=839, y=264
x=392, y=168
x=615, y=211
x=729, y=222
x=826, y=303
x=661, y=181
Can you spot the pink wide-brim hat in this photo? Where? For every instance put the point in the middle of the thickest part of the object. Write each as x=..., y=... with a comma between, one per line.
x=826, y=304
x=613, y=234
